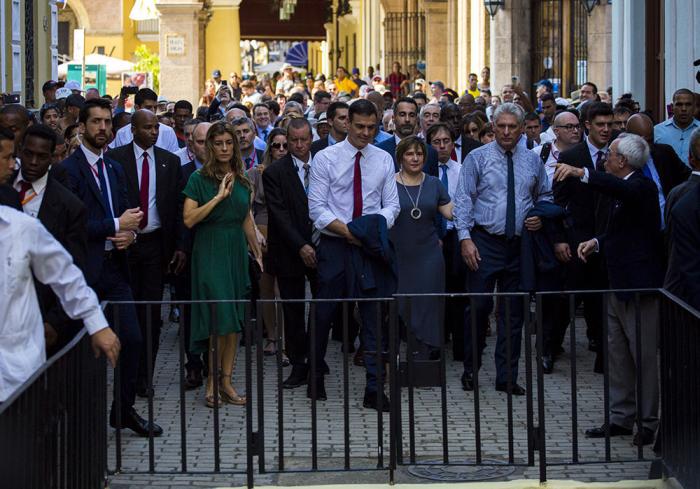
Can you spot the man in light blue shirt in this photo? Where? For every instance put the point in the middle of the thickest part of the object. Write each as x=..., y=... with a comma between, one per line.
x=677, y=130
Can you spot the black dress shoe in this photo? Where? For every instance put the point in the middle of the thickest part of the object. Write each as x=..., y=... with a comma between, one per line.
x=135, y=423
x=320, y=390
x=615, y=430
x=593, y=345
x=547, y=364
x=142, y=389
x=467, y=382
x=371, y=401
x=297, y=378
x=193, y=379
x=644, y=437
x=515, y=389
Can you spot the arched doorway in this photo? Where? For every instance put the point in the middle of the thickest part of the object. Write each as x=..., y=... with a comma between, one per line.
x=71, y=15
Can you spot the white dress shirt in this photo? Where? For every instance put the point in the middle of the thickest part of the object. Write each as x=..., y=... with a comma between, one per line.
x=184, y=155
x=331, y=184
x=453, y=169
x=594, y=151
x=458, y=149
x=27, y=249
x=167, y=139
x=92, y=159
x=34, y=196
x=153, y=222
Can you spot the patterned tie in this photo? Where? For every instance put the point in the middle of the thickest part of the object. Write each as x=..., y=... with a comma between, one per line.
x=600, y=161
x=510, y=205
x=103, y=186
x=143, y=193
x=25, y=186
x=306, y=167
x=264, y=134
x=357, y=188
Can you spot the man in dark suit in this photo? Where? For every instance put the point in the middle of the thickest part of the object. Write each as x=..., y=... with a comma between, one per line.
x=245, y=132
x=632, y=244
x=99, y=182
x=451, y=115
x=291, y=251
x=153, y=178
x=8, y=196
x=405, y=121
x=664, y=167
x=587, y=218
x=337, y=116
x=61, y=213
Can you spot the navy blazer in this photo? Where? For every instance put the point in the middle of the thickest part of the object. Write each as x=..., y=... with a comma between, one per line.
x=375, y=261
x=431, y=162
x=539, y=267
x=100, y=225
x=683, y=275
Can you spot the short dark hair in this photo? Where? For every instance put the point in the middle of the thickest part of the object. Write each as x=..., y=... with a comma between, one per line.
x=75, y=100
x=592, y=85
x=621, y=109
x=6, y=135
x=362, y=107
x=260, y=104
x=183, y=104
x=69, y=129
x=296, y=97
x=597, y=109
x=682, y=91
x=298, y=123
x=320, y=95
x=273, y=106
x=434, y=130
x=418, y=95
x=531, y=116
x=241, y=106
x=117, y=119
x=16, y=109
x=404, y=100
x=98, y=103
x=45, y=108
x=145, y=94
x=43, y=132
x=547, y=97
x=333, y=108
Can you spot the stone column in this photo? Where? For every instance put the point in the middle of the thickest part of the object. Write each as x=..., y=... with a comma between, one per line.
x=478, y=37
x=628, y=50
x=600, y=46
x=223, y=37
x=180, y=49
x=510, y=45
x=436, y=40
x=451, y=45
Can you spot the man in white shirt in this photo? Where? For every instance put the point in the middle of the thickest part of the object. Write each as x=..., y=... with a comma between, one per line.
x=147, y=99
x=567, y=131
x=29, y=250
x=350, y=180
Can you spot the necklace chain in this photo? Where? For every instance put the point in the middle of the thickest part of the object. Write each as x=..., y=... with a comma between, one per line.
x=413, y=202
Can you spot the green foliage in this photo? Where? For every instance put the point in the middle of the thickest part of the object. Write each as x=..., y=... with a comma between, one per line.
x=148, y=62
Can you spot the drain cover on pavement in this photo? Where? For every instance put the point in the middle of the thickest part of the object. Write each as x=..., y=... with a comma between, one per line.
x=435, y=470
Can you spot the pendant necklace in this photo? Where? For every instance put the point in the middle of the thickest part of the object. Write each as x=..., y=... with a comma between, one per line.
x=415, y=212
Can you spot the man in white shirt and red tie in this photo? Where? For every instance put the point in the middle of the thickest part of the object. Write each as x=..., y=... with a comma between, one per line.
x=153, y=181
x=349, y=181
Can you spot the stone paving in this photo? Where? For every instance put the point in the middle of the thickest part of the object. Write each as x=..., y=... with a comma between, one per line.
x=363, y=427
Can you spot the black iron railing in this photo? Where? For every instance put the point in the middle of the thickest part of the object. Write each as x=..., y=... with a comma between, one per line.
x=53, y=432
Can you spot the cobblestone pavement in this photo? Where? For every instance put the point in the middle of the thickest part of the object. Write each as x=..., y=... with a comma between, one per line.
x=363, y=427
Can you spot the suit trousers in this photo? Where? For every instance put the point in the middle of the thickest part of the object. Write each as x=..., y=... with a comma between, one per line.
x=624, y=365
x=584, y=276
x=455, y=281
x=183, y=292
x=499, y=265
x=112, y=285
x=146, y=270
x=335, y=272
x=296, y=339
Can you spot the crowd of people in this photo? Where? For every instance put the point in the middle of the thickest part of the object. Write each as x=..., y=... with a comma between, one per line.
x=351, y=188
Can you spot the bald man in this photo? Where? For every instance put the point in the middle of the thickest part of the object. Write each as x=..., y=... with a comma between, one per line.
x=567, y=133
x=664, y=166
x=154, y=178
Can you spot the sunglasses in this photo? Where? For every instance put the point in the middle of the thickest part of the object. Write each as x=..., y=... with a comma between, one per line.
x=279, y=146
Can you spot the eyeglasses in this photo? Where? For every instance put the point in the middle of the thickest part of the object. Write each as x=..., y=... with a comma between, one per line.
x=278, y=146
x=570, y=127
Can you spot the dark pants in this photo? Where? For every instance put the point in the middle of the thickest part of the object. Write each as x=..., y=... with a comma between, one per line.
x=296, y=337
x=455, y=280
x=500, y=264
x=183, y=292
x=335, y=273
x=112, y=285
x=146, y=270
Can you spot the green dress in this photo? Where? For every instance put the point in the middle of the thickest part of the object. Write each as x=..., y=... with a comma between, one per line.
x=219, y=260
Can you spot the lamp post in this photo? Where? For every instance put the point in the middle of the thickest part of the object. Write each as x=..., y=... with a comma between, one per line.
x=492, y=6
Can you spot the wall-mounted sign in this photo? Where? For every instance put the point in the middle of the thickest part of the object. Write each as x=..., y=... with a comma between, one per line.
x=175, y=45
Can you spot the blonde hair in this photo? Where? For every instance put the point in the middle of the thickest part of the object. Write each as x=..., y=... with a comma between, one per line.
x=214, y=169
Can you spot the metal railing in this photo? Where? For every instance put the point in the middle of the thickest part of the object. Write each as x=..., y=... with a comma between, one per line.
x=53, y=432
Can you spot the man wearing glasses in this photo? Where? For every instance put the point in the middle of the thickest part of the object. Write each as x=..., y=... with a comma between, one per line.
x=567, y=132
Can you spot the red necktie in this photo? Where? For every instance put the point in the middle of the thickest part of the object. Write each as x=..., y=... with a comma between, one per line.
x=357, y=188
x=453, y=155
x=144, y=191
x=25, y=186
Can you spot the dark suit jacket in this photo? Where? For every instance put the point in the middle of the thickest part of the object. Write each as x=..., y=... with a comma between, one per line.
x=65, y=217
x=672, y=171
x=431, y=162
x=318, y=145
x=587, y=211
x=468, y=145
x=683, y=276
x=100, y=225
x=168, y=191
x=289, y=226
x=188, y=234
x=632, y=240
x=9, y=197
x=258, y=156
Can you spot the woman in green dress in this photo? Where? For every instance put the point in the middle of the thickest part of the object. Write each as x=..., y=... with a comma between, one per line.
x=217, y=202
